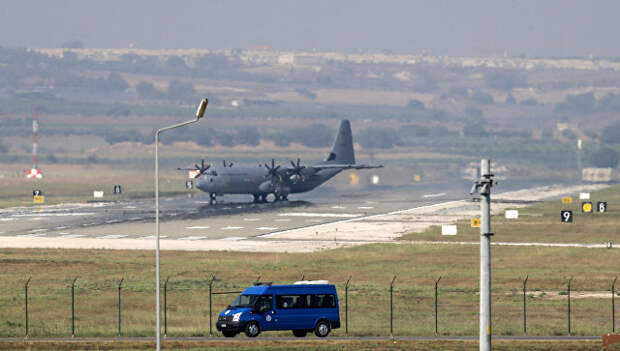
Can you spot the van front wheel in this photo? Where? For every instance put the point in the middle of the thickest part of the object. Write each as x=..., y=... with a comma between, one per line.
x=252, y=329
x=300, y=333
x=321, y=329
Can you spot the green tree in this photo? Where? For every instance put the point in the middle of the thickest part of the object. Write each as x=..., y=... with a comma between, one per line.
x=604, y=157
x=611, y=134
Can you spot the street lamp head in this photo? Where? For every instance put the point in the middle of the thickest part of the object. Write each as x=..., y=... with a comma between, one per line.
x=200, y=112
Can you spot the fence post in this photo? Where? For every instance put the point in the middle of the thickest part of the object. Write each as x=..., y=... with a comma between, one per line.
x=302, y=276
x=613, y=305
x=346, y=307
x=73, y=307
x=436, y=312
x=392, y=308
x=569, y=281
x=524, y=307
x=26, y=293
x=211, y=305
x=166, y=307
x=120, y=283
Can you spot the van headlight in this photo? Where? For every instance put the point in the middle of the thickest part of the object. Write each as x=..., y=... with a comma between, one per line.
x=236, y=316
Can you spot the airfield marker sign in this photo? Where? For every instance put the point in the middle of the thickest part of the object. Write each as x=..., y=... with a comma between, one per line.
x=475, y=222
x=566, y=216
x=189, y=185
x=567, y=200
x=586, y=207
x=512, y=214
x=448, y=229
x=584, y=196
x=601, y=206
x=117, y=190
x=98, y=194
x=37, y=196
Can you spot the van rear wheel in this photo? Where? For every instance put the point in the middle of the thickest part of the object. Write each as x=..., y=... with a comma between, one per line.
x=321, y=329
x=252, y=329
x=300, y=333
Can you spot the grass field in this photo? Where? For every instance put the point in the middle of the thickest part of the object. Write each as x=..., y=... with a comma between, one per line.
x=323, y=345
x=541, y=223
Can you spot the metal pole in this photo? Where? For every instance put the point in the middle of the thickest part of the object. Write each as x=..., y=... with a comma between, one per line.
x=73, y=307
x=26, y=293
x=346, y=307
x=485, y=184
x=613, y=305
x=119, y=305
x=524, y=307
x=199, y=114
x=569, y=281
x=166, y=307
x=391, y=308
x=436, y=312
x=211, y=305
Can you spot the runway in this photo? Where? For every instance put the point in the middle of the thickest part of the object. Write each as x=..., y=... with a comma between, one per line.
x=233, y=218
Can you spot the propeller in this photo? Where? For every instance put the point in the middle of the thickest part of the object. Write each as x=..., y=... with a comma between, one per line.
x=296, y=172
x=272, y=172
x=202, y=168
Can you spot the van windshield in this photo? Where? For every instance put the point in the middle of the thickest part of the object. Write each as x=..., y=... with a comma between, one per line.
x=244, y=301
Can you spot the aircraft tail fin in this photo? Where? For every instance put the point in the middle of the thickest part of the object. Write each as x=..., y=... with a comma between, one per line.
x=342, y=152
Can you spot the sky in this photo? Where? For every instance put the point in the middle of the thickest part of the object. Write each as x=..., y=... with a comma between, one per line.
x=534, y=28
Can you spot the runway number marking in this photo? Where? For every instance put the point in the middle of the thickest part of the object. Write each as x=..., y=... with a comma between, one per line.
x=566, y=216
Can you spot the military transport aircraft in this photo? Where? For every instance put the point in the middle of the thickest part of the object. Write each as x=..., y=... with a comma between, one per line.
x=274, y=183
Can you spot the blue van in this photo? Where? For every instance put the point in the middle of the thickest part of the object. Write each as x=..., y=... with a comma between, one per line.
x=301, y=307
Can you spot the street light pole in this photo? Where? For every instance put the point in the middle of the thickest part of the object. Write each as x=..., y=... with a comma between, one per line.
x=199, y=114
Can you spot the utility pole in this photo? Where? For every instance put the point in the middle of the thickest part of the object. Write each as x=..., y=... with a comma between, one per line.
x=483, y=187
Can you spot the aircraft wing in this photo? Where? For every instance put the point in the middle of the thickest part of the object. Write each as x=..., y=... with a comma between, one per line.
x=345, y=166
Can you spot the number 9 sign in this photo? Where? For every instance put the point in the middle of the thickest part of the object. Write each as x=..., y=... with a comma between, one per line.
x=566, y=216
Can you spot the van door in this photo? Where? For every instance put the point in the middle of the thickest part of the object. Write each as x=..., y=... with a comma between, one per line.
x=264, y=313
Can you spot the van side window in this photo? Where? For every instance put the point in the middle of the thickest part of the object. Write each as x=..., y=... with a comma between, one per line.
x=264, y=303
x=322, y=301
x=291, y=301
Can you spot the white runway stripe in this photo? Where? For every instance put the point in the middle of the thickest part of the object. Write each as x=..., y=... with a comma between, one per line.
x=338, y=207
x=433, y=195
x=113, y=221
x=231, y=228
x=282, y=220
x=233, y=238
x=112, y=236
x=153, y=237
x=37, y=230
x=193, y=238
x=61, y=227
x=72, y=236
x=54, y=214
x=31, y=235
x=198, y=227
x=251, y=219
x=313, y=214
x=365, y=207
x=6, y=219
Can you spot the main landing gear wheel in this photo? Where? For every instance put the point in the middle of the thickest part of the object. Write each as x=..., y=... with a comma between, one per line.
x=271, y=198
x=252, y=329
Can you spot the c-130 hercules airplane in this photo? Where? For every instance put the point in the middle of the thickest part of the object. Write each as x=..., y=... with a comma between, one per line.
x=274, y=183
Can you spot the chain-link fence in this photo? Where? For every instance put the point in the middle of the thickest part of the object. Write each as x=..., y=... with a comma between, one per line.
x=190, y=308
